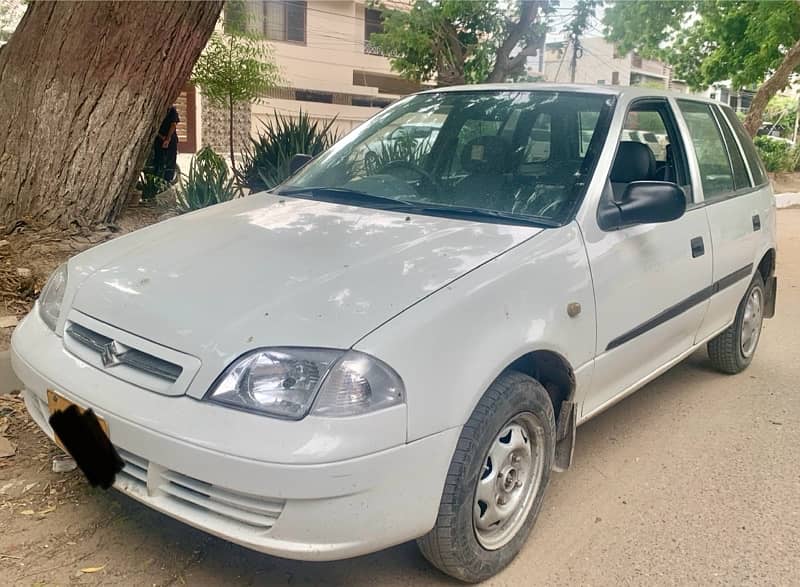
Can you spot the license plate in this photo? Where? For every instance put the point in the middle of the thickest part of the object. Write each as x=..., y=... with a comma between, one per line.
x=85, y=437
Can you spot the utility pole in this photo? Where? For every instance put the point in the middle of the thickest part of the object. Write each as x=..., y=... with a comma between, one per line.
x=573, y=62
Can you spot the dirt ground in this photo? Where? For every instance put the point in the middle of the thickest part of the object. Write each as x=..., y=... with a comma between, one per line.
x=785, y=182
x=692, y=480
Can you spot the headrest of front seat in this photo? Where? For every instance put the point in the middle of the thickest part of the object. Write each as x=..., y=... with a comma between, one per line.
x=634, y=162
x=488, y=154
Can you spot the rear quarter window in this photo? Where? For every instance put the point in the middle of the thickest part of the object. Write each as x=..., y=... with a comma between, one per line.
x=753, y=161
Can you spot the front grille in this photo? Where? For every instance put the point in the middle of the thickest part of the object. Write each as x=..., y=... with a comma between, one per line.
x=245, y=509
x=129, y=357
x=113, y=353
x=196, y=497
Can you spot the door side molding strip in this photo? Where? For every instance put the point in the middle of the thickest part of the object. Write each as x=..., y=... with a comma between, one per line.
x=682, y=306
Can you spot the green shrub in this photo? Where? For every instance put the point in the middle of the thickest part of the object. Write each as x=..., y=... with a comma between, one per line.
x=265, y=161
x=207, y=182
x=150, y=185
x=776, y=154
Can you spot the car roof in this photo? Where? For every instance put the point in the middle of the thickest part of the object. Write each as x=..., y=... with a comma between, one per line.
x=629, y=92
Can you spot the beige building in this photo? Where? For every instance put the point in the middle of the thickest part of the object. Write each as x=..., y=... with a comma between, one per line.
x=600, y=63
x=328, y=67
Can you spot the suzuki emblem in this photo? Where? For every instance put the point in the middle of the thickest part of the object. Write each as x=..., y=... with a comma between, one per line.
x=111, y=354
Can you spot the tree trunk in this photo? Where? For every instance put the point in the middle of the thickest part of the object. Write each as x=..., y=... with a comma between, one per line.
x=83, y=86
x=775, y=83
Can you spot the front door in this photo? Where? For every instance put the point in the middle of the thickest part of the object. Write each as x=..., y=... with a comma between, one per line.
x=650, y=280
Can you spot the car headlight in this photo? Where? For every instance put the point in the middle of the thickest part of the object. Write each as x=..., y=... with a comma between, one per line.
x=285, y=382
x=52, y=295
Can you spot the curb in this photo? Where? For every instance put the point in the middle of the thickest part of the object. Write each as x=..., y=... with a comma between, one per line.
x=8, y=380
x=787, y=200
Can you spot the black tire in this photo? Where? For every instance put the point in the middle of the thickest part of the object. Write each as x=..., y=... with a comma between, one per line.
x=452, y=545
x=725, y=350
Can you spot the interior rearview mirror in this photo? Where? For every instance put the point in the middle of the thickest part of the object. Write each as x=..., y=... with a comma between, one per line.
x=297, y=162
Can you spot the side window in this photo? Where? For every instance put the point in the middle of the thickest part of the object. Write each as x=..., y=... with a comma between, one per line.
x=538, y=148
x=715, y=168
x=586, y=121
x=753, y=161
x=468, y=139
x=650, y=149
x=740, y=178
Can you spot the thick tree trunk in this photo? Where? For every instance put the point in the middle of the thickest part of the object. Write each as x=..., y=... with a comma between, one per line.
x=775, y=83
x=83, y=86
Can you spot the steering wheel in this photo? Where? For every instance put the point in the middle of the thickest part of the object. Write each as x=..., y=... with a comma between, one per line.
x=423, y=174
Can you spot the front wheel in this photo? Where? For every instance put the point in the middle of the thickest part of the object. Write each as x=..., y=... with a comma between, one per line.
x=733, y=349
x=496, y=481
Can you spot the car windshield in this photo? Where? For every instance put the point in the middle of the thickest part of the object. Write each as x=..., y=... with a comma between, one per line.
x=491, y=155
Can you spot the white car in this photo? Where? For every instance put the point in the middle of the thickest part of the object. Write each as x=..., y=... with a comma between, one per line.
x=356, y=360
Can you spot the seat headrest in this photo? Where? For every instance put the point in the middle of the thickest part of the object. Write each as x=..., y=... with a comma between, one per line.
x=488, y=154
x=634, y=162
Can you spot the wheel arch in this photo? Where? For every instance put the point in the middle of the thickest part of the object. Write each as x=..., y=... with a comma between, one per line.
x=556, y=375
x=766, y=267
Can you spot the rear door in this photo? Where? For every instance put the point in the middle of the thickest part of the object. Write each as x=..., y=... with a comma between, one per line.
x=738, y=202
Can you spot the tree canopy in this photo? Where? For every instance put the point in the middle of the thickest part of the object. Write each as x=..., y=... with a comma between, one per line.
x=458, y=42
x=707, y=41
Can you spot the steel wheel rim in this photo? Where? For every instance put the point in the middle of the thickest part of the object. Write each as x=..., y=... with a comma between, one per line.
x=751, y=322
x=509, y=481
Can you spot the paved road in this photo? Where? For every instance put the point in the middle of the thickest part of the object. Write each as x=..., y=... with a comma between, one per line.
x=692, y=480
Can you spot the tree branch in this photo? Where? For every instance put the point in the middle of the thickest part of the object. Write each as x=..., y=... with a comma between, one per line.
x=504, y=63
x=776, y=82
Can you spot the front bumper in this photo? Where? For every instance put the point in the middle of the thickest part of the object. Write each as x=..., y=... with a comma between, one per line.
x=318, y=511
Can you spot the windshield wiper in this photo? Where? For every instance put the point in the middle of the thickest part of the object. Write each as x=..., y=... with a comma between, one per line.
x=348, y=196
x=467, y=213
x=344, y=195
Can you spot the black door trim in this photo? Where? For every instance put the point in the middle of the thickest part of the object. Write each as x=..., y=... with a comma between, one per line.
x=682, y=306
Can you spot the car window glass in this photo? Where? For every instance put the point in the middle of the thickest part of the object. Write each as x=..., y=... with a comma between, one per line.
x=470, y=133
x=647, y=127
x=740, y=178
x=525, y=153
x=538, y=148
x=753, y=160
x=712, y=159
x=586, y=121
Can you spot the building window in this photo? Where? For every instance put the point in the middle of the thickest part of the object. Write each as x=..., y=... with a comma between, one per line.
x=373, y=23
x=614, y=78
x=285, y=20
x=312, y=96
x=601, y=82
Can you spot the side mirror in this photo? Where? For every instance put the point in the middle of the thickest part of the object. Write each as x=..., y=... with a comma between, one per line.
x=645, y=202
x=297, y=162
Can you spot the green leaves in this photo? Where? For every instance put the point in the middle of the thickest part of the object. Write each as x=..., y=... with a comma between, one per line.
x=234, y=68
x=265, y=161
x=708, y=40
x=207, y=182
x=453, y=41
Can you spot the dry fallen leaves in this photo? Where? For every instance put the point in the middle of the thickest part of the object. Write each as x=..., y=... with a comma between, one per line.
x=7, y=448
x=8, y=321
x=92, y=569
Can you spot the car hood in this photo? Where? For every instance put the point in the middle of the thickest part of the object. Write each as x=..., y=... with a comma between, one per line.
x=271, y=270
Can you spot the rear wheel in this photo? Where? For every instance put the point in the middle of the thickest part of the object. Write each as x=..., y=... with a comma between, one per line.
x=733, y=349
x=496, y=481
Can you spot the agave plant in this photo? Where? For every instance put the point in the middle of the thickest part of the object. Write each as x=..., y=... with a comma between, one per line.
x=407, y=149
x=207, y=182
x=265, y=161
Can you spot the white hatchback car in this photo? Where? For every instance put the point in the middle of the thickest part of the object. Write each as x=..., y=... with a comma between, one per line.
x=364, y=357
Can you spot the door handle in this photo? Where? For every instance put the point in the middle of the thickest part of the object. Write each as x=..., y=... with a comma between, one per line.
x=698, y=247
x=756, y=222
